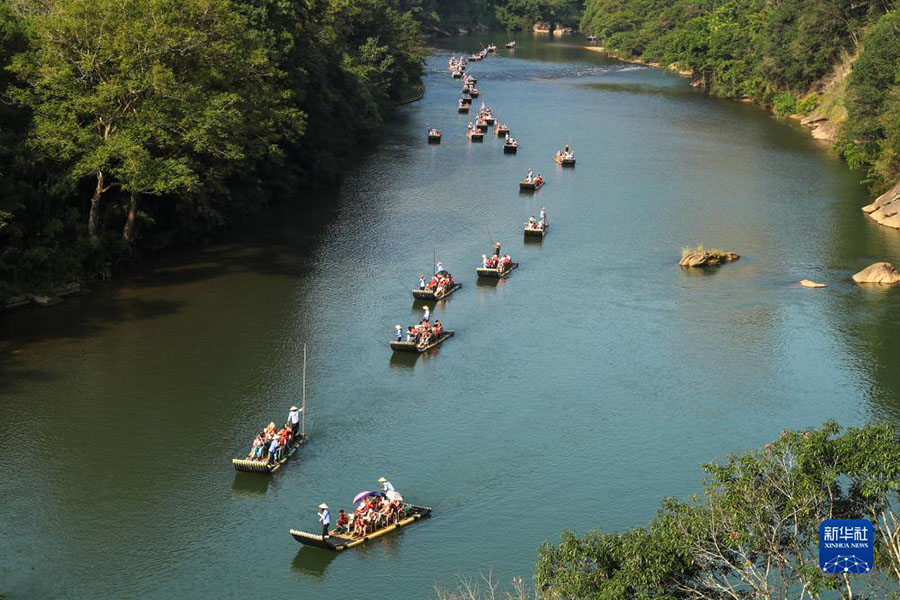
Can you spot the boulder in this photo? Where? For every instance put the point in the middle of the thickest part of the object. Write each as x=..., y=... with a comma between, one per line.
x=705, y=258
x=880, y=272
x=45, y=301
x=807, y=283
x=886, y=208
x=542, y=27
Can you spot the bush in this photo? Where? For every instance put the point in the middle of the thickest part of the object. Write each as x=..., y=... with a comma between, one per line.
x=784, y=104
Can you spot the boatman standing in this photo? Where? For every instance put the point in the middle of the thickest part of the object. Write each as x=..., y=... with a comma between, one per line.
x=543, y=213
x=438, y=267
x=386, y=486
x=421, y=282
x=294, y=419
x=399, y=329
x=497, y=249
x=324, y=519
x=427, y=316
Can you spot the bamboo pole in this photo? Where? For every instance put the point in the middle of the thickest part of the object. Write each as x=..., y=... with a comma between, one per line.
x=303, y=400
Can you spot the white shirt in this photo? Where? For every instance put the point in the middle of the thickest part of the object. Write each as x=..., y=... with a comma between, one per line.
x=325, y=517
x=388, y=487
x=427, y=315
x=439, y=267
x=294, y=416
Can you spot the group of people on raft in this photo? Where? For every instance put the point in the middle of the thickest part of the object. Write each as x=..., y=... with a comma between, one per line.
x=272, y=444
x=423, y=333
x=539, y=223
x=495, y=261
x=374, y=511
x=440, y=283
x=531, y=178
x=566, y=154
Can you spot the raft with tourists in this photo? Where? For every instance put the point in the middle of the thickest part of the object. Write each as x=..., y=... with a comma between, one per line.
x=537, y=227
x=565, y=157
x=531, y=182
x=496, y=266
x=476, y=135
x=438, y=287
x=376, y=514
x=510, y=45
x=463, y=106
x=273, y=447
x=502, y=130
x=434, y=136
x=510, y=145
x=421, y=337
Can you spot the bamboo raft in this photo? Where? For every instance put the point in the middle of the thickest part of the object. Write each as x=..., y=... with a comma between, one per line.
x=476, y=136
x=429, y=295
x=511, y=148
x=535, y=231
x=474, y=92
x=481, y=125
x=463, y=108
x=262, y=466
x=494, y=273
x=338, y=542
x=412, y=347
x=530, y=186
x=466, y=100
x=566, y=162
x=457, y=74
x=489, y=119
x=434, y=138
x=501, y=131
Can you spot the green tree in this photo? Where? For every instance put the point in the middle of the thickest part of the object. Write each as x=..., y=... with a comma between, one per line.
x=754, y=532
x=143, y=96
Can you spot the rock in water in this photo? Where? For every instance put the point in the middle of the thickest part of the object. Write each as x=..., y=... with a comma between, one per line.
x=880, y=272
x=886, y=208
x=807, y=283
x=705, y=258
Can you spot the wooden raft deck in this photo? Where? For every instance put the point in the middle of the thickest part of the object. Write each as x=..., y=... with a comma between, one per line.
x=263, y=466
x=339, y=543
x=494, y=273
x=412, y=347
x=429, y=295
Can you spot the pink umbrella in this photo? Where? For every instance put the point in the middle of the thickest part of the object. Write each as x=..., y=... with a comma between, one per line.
x=392, y=495
x=362, y=495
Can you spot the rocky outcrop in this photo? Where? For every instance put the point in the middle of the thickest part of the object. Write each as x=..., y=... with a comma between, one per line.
x=820, y=127
x=541, y=27
x=880, y=272
x=886, y=208
x=706, y=258
x=808, y=283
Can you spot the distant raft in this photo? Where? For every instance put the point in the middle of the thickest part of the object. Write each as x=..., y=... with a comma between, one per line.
x=263, y=466
x=414, y=347
x=566, y=161
x=476, y=136
x=339, y=542
x=501, y=130
x=432, y=295
x=496, y=273
x=531, y=186
x=510, y=146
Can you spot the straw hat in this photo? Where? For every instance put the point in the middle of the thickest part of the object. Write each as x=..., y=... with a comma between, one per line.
x=425, y=307
x=294, y=407
x=497, y=245
x=381, y=480
x=398, y=327
x=324, y=506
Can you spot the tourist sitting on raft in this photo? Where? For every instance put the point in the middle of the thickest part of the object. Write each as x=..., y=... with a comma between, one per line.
x=440, y=283
x=495, y=261
x=510, y=141
x=530, y=178
x=433, y=131
x=566, y=154
x=424, y=332
x=538, y=224
x=272, y=444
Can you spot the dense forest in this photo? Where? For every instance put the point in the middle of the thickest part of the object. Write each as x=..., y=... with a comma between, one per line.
x=129, y=126
x=455, y=16
x=785, y=54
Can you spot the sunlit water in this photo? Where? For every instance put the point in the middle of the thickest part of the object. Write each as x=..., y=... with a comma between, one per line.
x=576, y=394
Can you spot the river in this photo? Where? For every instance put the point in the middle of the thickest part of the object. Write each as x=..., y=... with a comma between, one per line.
x=576, y=394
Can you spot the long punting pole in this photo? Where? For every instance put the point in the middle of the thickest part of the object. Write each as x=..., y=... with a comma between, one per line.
x=303, y=401
x=433, y=252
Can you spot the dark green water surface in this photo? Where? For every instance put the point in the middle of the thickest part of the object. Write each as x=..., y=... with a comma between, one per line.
x=576, y=394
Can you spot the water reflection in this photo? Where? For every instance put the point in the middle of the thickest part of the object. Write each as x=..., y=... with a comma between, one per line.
x=250, y=485
x=313, y=561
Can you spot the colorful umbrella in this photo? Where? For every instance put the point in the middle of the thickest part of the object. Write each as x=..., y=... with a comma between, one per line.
x=392, y=495
x=362, y=495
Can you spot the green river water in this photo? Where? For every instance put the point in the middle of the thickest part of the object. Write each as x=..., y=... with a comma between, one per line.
x=576, y=394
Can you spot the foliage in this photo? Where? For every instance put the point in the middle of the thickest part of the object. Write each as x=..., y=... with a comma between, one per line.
x=125, y=127
x=774, y=52
x=754, y=532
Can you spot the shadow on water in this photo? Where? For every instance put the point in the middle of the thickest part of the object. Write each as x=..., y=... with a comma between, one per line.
x=533, y=240
x=250, y=485
x=403, y=360
x=312, y=561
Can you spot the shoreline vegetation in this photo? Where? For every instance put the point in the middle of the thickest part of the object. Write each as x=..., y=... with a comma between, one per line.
x=752, y=533
x=834, y=66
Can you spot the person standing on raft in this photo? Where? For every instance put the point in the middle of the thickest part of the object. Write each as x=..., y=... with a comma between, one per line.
x=294, y=419
x=386, y=486
x=324, y=519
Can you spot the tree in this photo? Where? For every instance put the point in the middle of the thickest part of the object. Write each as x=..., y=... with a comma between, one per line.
x=754, y=533
x=144, y=95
